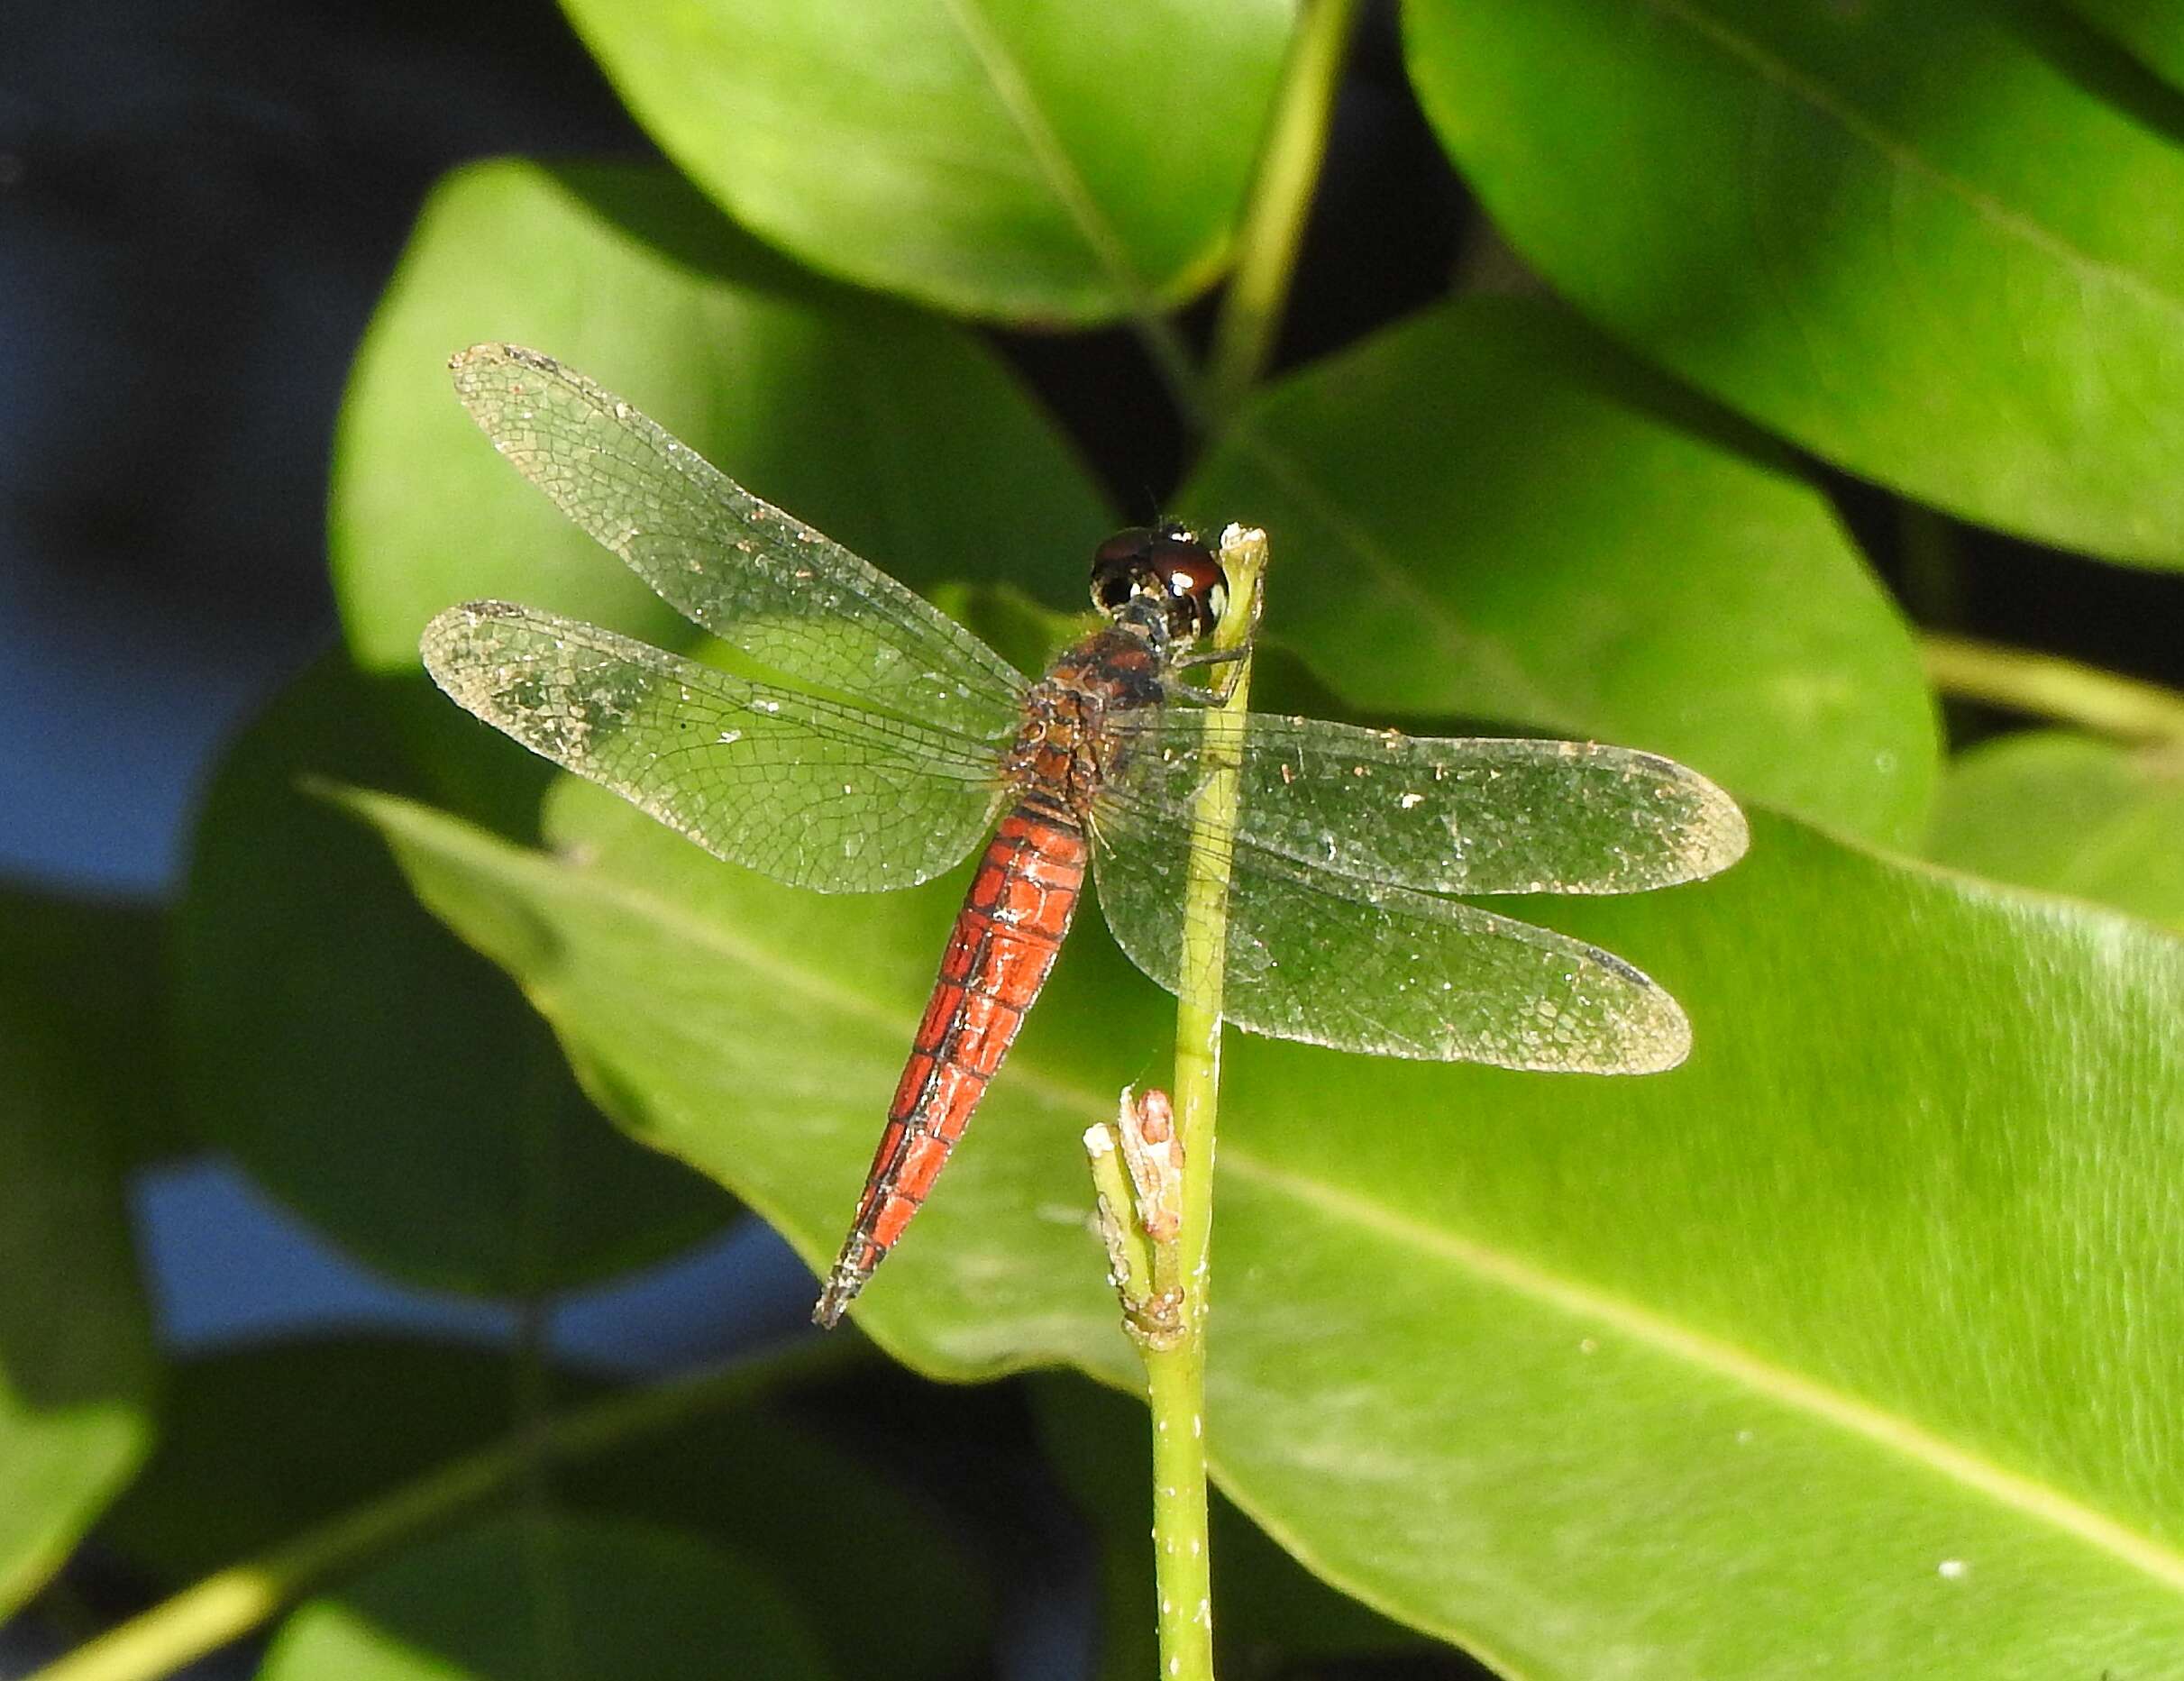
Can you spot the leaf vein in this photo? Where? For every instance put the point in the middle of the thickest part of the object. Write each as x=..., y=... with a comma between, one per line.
x=1901, y=154
x=1790, y=1389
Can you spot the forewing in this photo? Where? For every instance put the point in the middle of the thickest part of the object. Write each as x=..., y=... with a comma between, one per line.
x=1451, y=814
x=760, y=579
x=812, y=791
x=1373, y=967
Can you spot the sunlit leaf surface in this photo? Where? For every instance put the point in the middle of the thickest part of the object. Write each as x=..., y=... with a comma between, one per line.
x=1852, y=224
x=1040, y=163
x=1489, y=510
x=1841, y=1320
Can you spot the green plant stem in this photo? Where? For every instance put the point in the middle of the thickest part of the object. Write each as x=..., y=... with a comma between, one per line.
x=2048, y=686
x=1281, y=194
x=232, y=1602
x=1175, y=1377
x=1175, y=1386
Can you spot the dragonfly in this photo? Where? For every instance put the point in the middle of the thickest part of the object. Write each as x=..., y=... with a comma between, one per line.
x=875, y=744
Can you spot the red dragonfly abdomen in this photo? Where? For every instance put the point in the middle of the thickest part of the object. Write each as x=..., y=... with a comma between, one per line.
x=1006, y=939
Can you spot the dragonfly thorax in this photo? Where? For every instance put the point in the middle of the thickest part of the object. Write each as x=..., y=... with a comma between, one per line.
x=1163, y=581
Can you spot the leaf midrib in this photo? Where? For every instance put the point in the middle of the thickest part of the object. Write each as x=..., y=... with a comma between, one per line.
x=1011, y=88
x=1774, y=1383
x=1826, y=101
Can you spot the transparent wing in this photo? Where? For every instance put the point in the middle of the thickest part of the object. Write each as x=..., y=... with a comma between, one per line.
x=1448, y=815
x=1374, y=967
x=812, y=791
x=758, y=579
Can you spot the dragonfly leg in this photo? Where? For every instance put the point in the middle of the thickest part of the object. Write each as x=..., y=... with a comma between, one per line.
x=1232, y=658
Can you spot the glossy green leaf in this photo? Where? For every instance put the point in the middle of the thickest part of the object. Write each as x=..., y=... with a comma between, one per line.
x=1034, y=163
x=1490, y=510
x=1931, y=241
x=539, y=1598
x=2070, y=814
x=1828, y=1348
x=1839, y=1322
x=899, y=435
x=2153, y=30
x=377, y=1078
x=262, y=1445
x=76, y=1357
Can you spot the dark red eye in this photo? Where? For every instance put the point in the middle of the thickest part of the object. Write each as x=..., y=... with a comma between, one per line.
x=1186, y=572
x=1201, y=594
x=1133, y=543
x=1169, y=563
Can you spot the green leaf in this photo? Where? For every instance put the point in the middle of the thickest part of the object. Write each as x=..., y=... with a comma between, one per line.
x=75, y=1354
x=1828, y=1347
x=2152, y=29
x=1270, y=1617
x=377, y=1078
x=1490, y=510
x=554, y=1598
x=1035, y=163
x=899, y=435
x=1847, y=222
x=2070, y=814
x=262, y=1445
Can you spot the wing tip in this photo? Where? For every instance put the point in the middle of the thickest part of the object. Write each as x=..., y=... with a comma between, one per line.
x=1725, y=831
x=494, y=352
x=1656, y=1033
x=1652, y=1036
x=1717, y=830
x=466, y=615
x=1652, y=1043
x=1665, y=1045
x=448, y=645
x=489, y=373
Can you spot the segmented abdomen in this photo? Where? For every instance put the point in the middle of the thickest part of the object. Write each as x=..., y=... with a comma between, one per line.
x=1006, y=939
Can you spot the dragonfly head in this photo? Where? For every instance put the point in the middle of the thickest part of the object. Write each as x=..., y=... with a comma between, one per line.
x=1162, y=579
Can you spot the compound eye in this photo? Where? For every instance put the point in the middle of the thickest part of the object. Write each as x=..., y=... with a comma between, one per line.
x=1169, y=562
x=1122, y=569
x=1114, y=587
x=1194, y=580
x=1128, y=546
